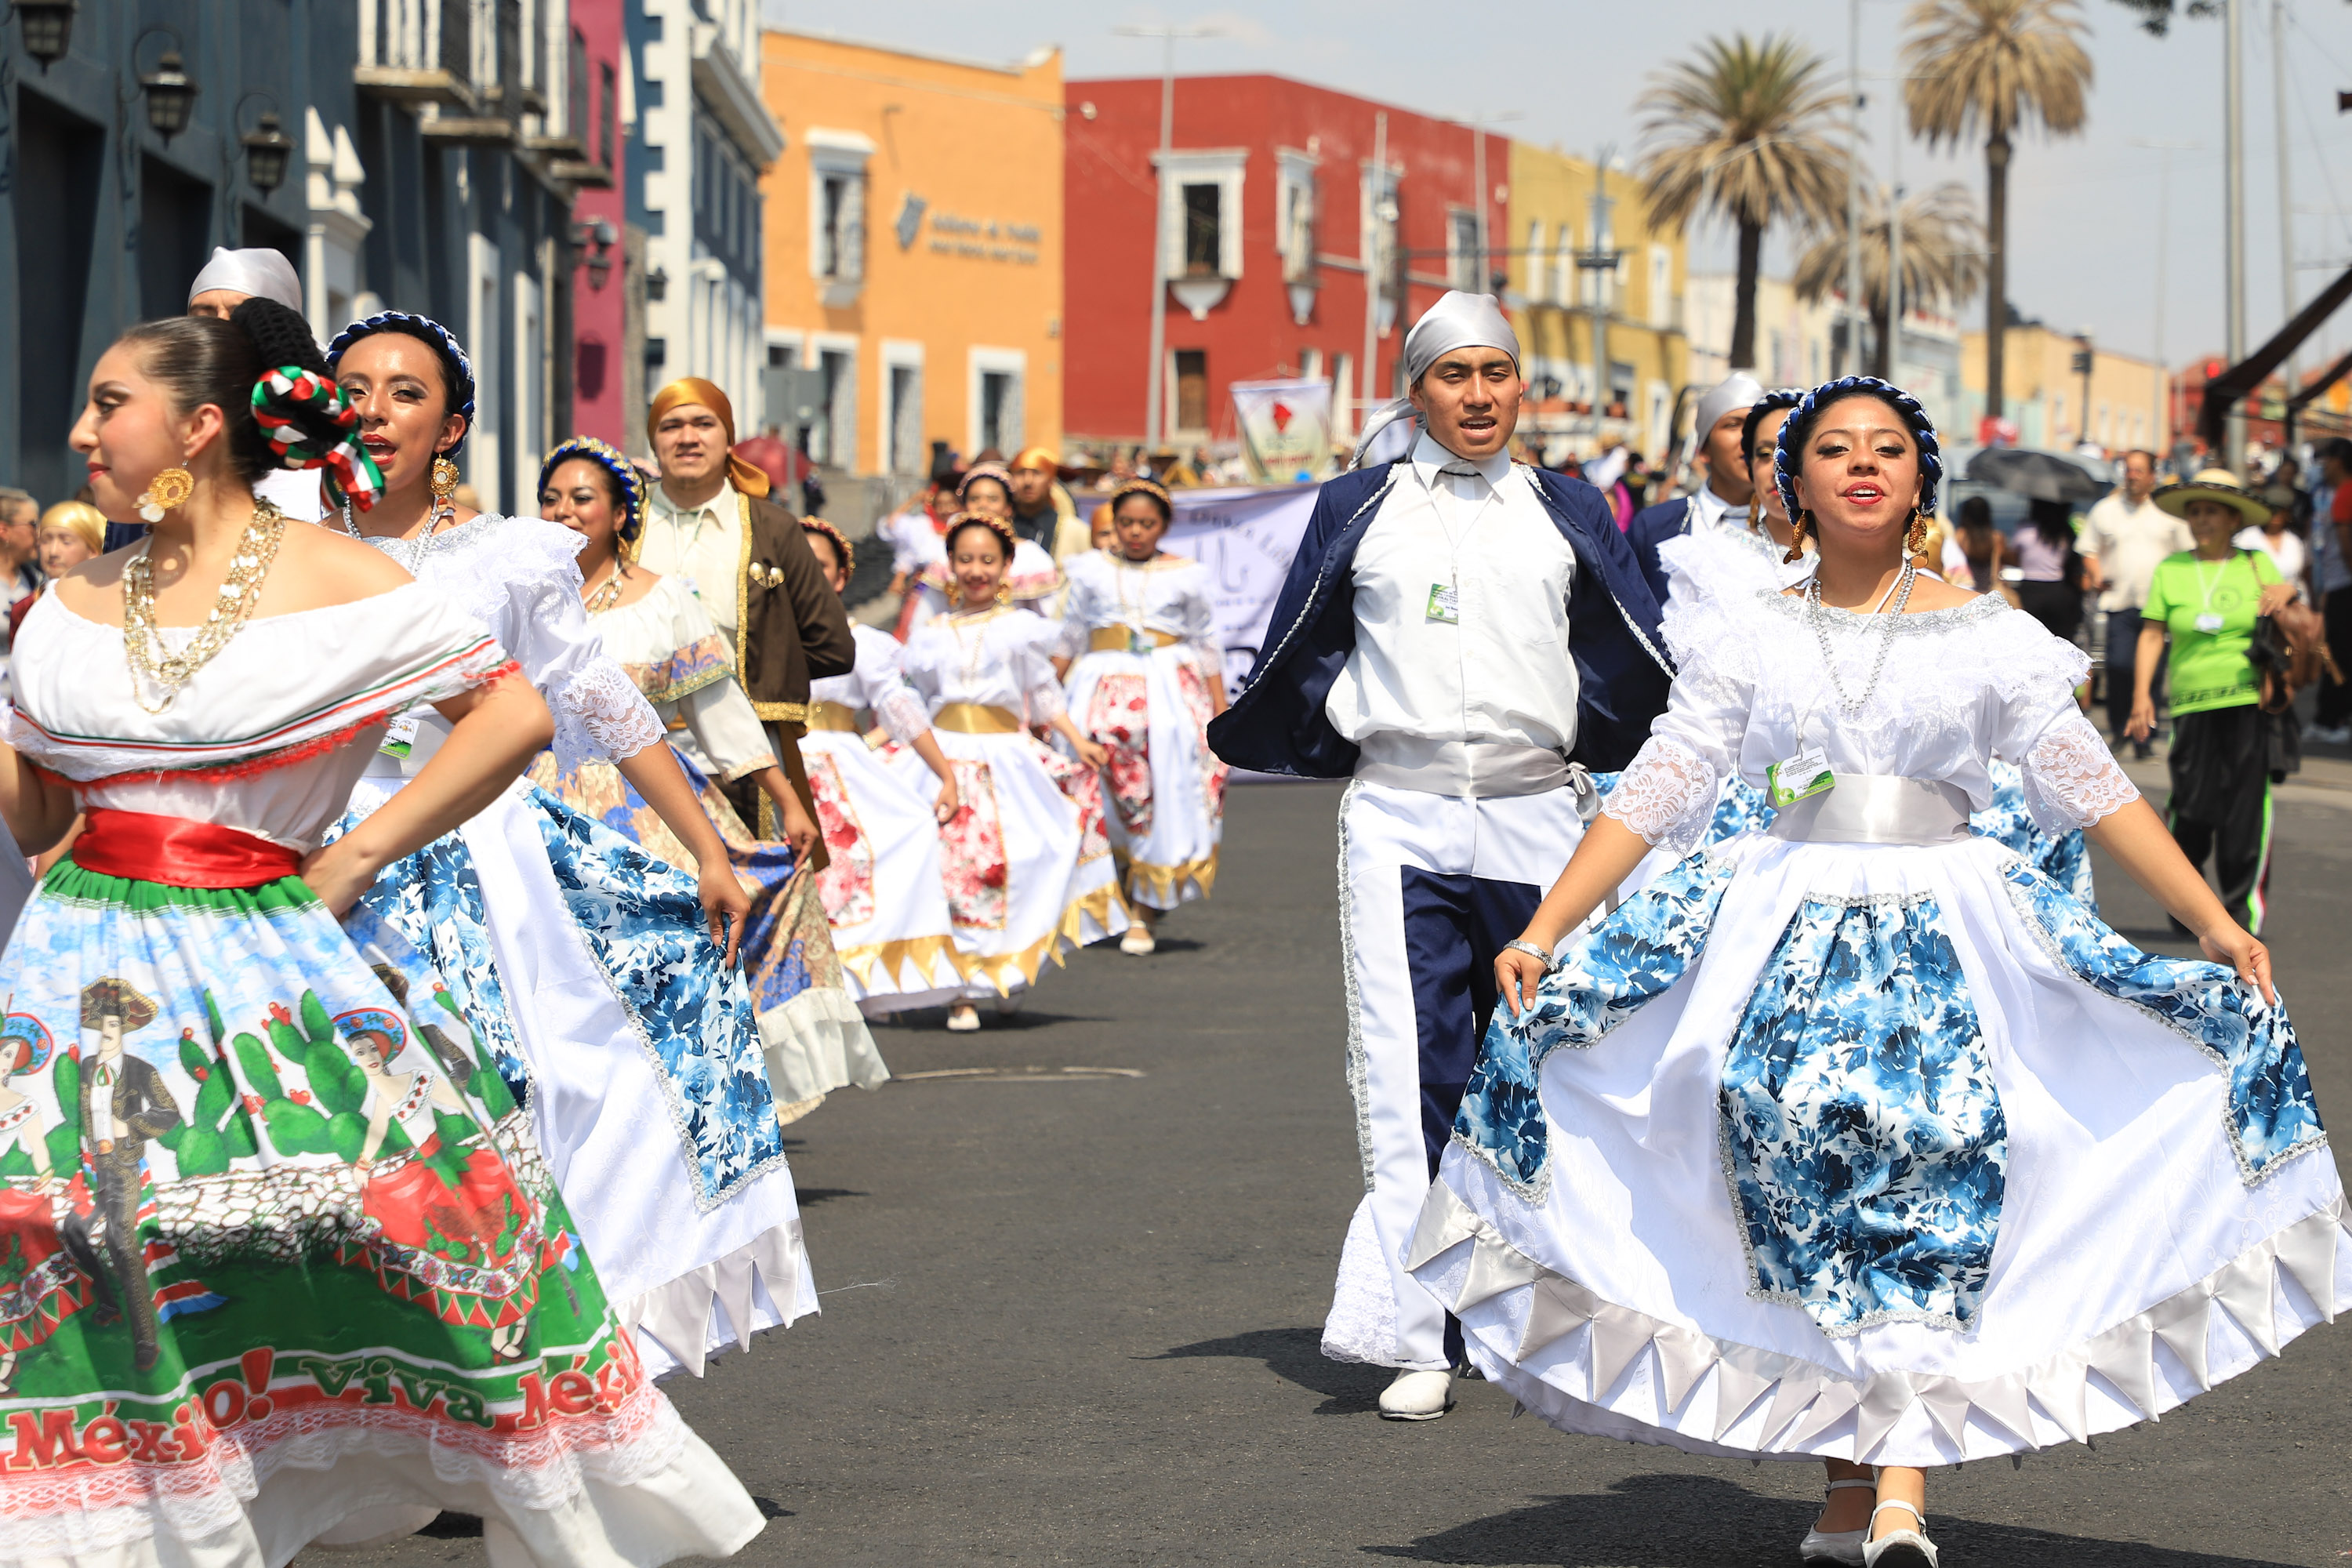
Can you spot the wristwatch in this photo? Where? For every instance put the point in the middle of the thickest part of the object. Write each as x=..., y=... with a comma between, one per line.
x=1532, y=951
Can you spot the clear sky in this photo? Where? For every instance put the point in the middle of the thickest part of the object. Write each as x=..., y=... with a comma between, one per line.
x=2082, y=211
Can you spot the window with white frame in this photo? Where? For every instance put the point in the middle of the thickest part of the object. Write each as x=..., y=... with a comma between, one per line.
x=1295, y=207
x=1534, y=285
x=832, y=438
x=902, y=407
x=837, y=161
x=995, y=413
x=1462, y=250
x=1662, y=286
x=1200, y=211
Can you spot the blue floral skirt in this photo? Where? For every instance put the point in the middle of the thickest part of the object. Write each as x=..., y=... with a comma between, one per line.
x=1895, y=1154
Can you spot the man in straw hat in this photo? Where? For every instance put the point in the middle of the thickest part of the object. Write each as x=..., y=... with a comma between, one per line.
x=1462, y=638
x=2206, y=600
x=1722, y=501
x=124, y=1102
x=710, y=523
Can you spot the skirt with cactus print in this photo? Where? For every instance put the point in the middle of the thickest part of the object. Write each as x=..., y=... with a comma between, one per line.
x=263, y=1192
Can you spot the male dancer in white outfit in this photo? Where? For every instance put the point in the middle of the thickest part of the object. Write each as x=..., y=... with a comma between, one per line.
x=1461, y=637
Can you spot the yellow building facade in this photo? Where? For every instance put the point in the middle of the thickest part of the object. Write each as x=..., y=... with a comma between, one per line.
x=1609, y=338
x=2043, y=393
x=914, y=251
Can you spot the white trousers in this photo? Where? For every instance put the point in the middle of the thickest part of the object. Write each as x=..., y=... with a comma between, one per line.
x=1429, y=886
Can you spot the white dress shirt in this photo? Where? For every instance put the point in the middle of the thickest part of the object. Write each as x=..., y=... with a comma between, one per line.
x=1709, y=512
x=1483, y=704
x=703, y=544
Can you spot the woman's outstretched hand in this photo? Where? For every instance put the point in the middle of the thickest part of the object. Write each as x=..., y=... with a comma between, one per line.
x=2242, y=950
x=1516, y=977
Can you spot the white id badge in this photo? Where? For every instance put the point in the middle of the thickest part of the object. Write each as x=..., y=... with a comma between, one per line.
x=400, y=735
x=2208, y=623
x=1445, y=604
x=1791, y=779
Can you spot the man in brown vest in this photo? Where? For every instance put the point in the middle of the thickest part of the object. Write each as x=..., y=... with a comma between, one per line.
x=712, y=523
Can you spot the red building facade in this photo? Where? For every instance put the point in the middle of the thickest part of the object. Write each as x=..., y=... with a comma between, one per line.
x=598, y=141
x=1276, y=214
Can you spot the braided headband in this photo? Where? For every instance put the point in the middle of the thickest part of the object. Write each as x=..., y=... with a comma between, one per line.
x=1143, y=487
x=996, y=471
x=1779, y=398
x=1785, y=455
x=840, y=541
x=995, y=525
x=291, y=386
x=626, y=476
x=424, y=327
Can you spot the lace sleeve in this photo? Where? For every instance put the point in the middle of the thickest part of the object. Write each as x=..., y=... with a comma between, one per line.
x=901, y=714
x=883, y=685
x=2072, y=780
x=601, y=716
x=1666, y=794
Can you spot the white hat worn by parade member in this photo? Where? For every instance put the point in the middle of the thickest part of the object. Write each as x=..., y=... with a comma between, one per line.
x=1457, y=320
x=262, y=274
x=1736, y=391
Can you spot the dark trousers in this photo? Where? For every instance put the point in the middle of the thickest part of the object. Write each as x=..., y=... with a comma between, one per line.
x=2123, y=670
x=1453, y=927
x=122, y=1286
x=2335, y=697
x=2220, y=805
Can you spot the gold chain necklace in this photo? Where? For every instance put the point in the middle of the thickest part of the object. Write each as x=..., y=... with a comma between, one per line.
x=143, y=643
x=604, y=597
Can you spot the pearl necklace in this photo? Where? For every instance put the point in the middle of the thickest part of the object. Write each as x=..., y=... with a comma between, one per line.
x=418, y=547
x=1900, y=593
x=142, y=644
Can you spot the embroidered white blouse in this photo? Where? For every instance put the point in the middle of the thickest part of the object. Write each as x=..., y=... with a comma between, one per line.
x=1956, y=687
x=667, y=645
x=878, y=683
x=1002, y=659
x=1168, y=594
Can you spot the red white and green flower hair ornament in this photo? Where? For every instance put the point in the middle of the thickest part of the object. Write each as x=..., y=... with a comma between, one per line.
x=327, y=438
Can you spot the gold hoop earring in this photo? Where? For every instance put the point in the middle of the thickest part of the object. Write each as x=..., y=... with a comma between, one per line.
x=169, y=489
x=955, y=595
x=1004, y=594
x=1798, y=526
x=444, y=479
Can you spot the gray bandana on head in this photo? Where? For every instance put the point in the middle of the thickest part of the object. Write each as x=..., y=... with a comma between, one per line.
x=1738, y=391
x=1458, y=320
x=264, y=274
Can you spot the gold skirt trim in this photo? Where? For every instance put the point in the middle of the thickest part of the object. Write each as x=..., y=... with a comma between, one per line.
x=1168, y=882
x=835, y=716
x=1120, y=639
x=892, y=958
x=976, y=719
x=1001, y=968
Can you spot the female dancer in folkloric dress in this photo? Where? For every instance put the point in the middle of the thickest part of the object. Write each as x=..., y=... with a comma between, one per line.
x=1028, y=869
x=1032, y=580
x=400, y=1319
x=583, y=960
x=658, y=631
x=1732, y=1172
x=1147, y=676
x=883, y=888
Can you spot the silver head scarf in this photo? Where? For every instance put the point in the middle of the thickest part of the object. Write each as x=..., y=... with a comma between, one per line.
x=1458, y=320
x=1739, y=390
x=1389, y=434
x=264, y=274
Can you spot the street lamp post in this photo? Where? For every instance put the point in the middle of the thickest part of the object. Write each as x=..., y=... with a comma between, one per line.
x=1854, y=188
x=1377, y=213
x=2233, y=112
x=2160, y=428
x=1152, y=430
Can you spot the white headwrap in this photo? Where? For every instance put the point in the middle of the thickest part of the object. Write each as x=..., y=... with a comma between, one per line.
x=1737, y=390
x=264, y=274
x=1458, y=320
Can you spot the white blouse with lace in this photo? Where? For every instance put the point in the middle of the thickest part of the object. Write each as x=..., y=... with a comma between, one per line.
x=675, y=655
x=1168, y=594
x=519, y=577
x=270, y=736
x=877, y=683
x=1958, y=687
x=1001, y=659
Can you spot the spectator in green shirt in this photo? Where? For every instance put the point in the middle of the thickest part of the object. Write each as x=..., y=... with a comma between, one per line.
x=2206, y=601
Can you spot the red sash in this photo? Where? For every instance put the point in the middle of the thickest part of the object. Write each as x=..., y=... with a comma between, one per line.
x=178, y=851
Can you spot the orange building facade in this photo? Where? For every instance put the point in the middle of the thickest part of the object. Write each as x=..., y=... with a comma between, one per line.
x=914, y=251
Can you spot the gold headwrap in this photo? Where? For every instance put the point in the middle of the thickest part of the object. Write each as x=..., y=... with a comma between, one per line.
x=747, y=478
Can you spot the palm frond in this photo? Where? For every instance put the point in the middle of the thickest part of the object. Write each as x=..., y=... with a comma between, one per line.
x=1943, y=242
x=1743, y=130
x=1983, y=68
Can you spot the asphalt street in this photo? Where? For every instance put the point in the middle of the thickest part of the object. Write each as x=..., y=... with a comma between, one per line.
x=1074, y=1269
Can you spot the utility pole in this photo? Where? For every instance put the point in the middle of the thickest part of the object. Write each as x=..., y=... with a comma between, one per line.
x=1853, y=189
x=1894, y=250
x=1378, y=204
x=2286, y=201
x=1153, y=433
x=1479, y=121
x=1600, y=262
x=2233, y=170
x=2160, y=427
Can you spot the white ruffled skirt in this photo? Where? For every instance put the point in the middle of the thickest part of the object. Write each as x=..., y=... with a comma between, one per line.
x=1165, y=790
x=1884, y=1153
x=883, y=891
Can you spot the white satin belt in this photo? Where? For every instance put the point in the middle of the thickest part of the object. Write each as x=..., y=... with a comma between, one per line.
x=1470, y=770
x=1877, y=808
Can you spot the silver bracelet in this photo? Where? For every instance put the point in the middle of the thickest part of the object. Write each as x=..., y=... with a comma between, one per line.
x=1523, y=945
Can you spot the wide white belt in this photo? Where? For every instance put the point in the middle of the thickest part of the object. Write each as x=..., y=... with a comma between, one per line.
x=1469, y=769
x=1877, y=808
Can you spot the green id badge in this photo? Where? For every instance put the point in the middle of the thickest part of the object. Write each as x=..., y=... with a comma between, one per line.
x=1445, y=604
x=1807, y=773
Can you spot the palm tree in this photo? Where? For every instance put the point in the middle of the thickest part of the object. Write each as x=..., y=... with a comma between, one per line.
x=1742, y=130
x=1989, y=67
x=1943, y=260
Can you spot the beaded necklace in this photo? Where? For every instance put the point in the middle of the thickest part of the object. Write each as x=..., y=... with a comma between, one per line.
x=151, y=663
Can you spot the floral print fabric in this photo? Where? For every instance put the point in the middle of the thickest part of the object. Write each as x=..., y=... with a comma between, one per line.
x=846, y=884
x=1118, y=719
x=2273, y=1117
x=971, y=851
x=1867, y=1149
